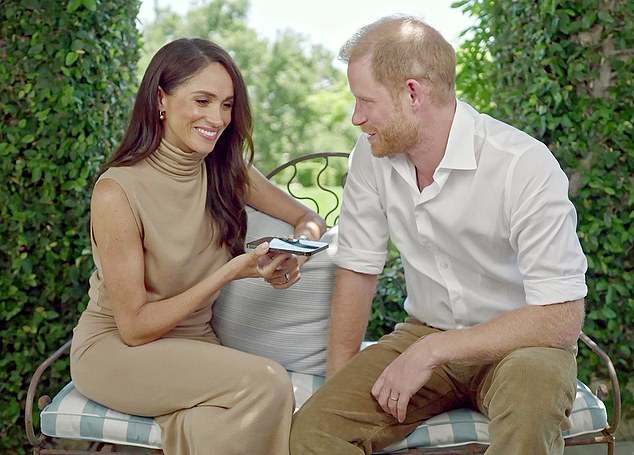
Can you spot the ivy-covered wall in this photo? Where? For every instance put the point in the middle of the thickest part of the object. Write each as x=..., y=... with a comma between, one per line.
x=559, y=69
x=562, y=71
x=67, y=79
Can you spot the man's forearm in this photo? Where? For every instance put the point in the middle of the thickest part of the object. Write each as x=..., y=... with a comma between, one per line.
x=557, y=325
x=350, y=307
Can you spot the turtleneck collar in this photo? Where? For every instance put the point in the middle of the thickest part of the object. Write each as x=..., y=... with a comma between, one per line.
x=173, y=161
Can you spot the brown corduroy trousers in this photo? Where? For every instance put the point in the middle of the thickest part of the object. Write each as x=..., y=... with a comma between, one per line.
x=527, y=396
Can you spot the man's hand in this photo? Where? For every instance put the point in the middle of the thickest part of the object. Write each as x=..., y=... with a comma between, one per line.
x=556, y=325
x=402, y=378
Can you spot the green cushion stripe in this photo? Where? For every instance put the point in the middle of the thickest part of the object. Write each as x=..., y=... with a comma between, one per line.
x=462, y=425
x=317, y=382
x=54, y=405
x=419, y=438
x=92, y=421
x=139, y=429
x=48, y=423
x=48, y=416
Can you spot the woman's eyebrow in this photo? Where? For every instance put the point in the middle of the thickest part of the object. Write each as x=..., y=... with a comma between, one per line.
x=205, y=93
x=211, y=94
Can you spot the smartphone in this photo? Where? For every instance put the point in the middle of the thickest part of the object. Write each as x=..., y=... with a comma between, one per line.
x=293, y=246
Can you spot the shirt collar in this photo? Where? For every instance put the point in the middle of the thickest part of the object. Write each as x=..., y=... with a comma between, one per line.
x=460, y=152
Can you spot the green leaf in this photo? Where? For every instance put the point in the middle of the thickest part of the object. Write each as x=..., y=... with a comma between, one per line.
x=36, y=174
x=73, y=5
x=71, y=57
x=90, y=4
x=605, y=16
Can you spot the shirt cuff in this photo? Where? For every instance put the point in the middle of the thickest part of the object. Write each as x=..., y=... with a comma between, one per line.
x=361, y=261
x=555, y=290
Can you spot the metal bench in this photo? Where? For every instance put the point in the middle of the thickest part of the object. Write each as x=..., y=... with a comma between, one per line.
x=324, y=174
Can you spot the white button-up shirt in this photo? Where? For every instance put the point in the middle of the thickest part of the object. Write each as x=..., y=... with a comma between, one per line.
x=493, y=232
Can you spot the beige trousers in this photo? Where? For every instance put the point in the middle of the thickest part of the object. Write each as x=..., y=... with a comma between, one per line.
x=527, y=396
x=208, y=399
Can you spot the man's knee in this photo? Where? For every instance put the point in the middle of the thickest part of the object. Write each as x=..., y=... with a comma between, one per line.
x=312, y=428
x=537, y=379
x=539, y=368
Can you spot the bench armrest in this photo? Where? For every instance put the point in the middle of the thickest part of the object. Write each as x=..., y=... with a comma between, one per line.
x=602, y=391
x=34, y=439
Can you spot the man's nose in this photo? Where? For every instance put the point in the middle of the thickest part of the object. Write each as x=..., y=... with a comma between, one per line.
x=358, y=117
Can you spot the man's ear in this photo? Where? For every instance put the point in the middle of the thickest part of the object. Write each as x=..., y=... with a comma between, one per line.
x=417, y=92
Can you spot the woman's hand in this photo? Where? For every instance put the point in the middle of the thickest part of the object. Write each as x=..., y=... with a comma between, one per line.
x=281, y=270
x=287, y=273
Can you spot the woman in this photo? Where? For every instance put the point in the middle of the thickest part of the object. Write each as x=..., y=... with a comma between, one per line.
x=168, y=224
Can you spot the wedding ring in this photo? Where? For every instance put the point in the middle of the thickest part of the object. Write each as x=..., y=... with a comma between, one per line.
x=288, y=278
x=394, y=398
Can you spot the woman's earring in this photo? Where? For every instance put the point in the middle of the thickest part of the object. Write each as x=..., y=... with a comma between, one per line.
x=162, y=115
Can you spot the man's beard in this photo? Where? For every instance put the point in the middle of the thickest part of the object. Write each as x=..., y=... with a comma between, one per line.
x=399, y=136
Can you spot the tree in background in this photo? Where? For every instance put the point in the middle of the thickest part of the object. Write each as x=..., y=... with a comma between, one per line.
x=67, y=79
x=562, y=71
x=301, y=102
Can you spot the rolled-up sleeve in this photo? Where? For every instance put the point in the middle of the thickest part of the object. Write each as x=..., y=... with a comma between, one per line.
x=543, y=225
x=363, y=228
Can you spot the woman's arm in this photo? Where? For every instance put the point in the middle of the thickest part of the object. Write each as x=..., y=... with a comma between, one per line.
x=121, y=252
x=268, y=198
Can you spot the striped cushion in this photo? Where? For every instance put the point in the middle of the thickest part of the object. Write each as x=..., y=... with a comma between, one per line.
x=290, y=325
x=71, y=415
x=464, y=426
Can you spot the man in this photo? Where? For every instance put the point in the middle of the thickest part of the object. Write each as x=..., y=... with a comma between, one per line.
x=495, y=274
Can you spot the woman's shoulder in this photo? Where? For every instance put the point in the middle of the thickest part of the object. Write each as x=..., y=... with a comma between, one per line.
x=115, y=185
x=111, y=198
x=119, y=173
x=127, y=177
x=108, y=192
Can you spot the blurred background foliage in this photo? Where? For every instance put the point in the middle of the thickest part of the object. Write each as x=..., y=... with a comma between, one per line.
x=559, y=69
x=300, y=100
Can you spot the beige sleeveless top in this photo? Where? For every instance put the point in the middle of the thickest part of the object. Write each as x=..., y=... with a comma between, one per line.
x=167, y=194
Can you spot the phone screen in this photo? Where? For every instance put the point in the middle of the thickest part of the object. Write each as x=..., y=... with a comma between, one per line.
x=293, y=246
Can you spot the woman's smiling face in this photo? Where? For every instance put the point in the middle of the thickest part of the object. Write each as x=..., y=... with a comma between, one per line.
x=198, y=110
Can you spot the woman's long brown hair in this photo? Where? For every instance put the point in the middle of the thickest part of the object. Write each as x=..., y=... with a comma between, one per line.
x=227, y=165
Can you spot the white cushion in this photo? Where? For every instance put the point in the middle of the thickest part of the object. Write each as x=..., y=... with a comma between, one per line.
x=287, y=325
x=71, y=415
